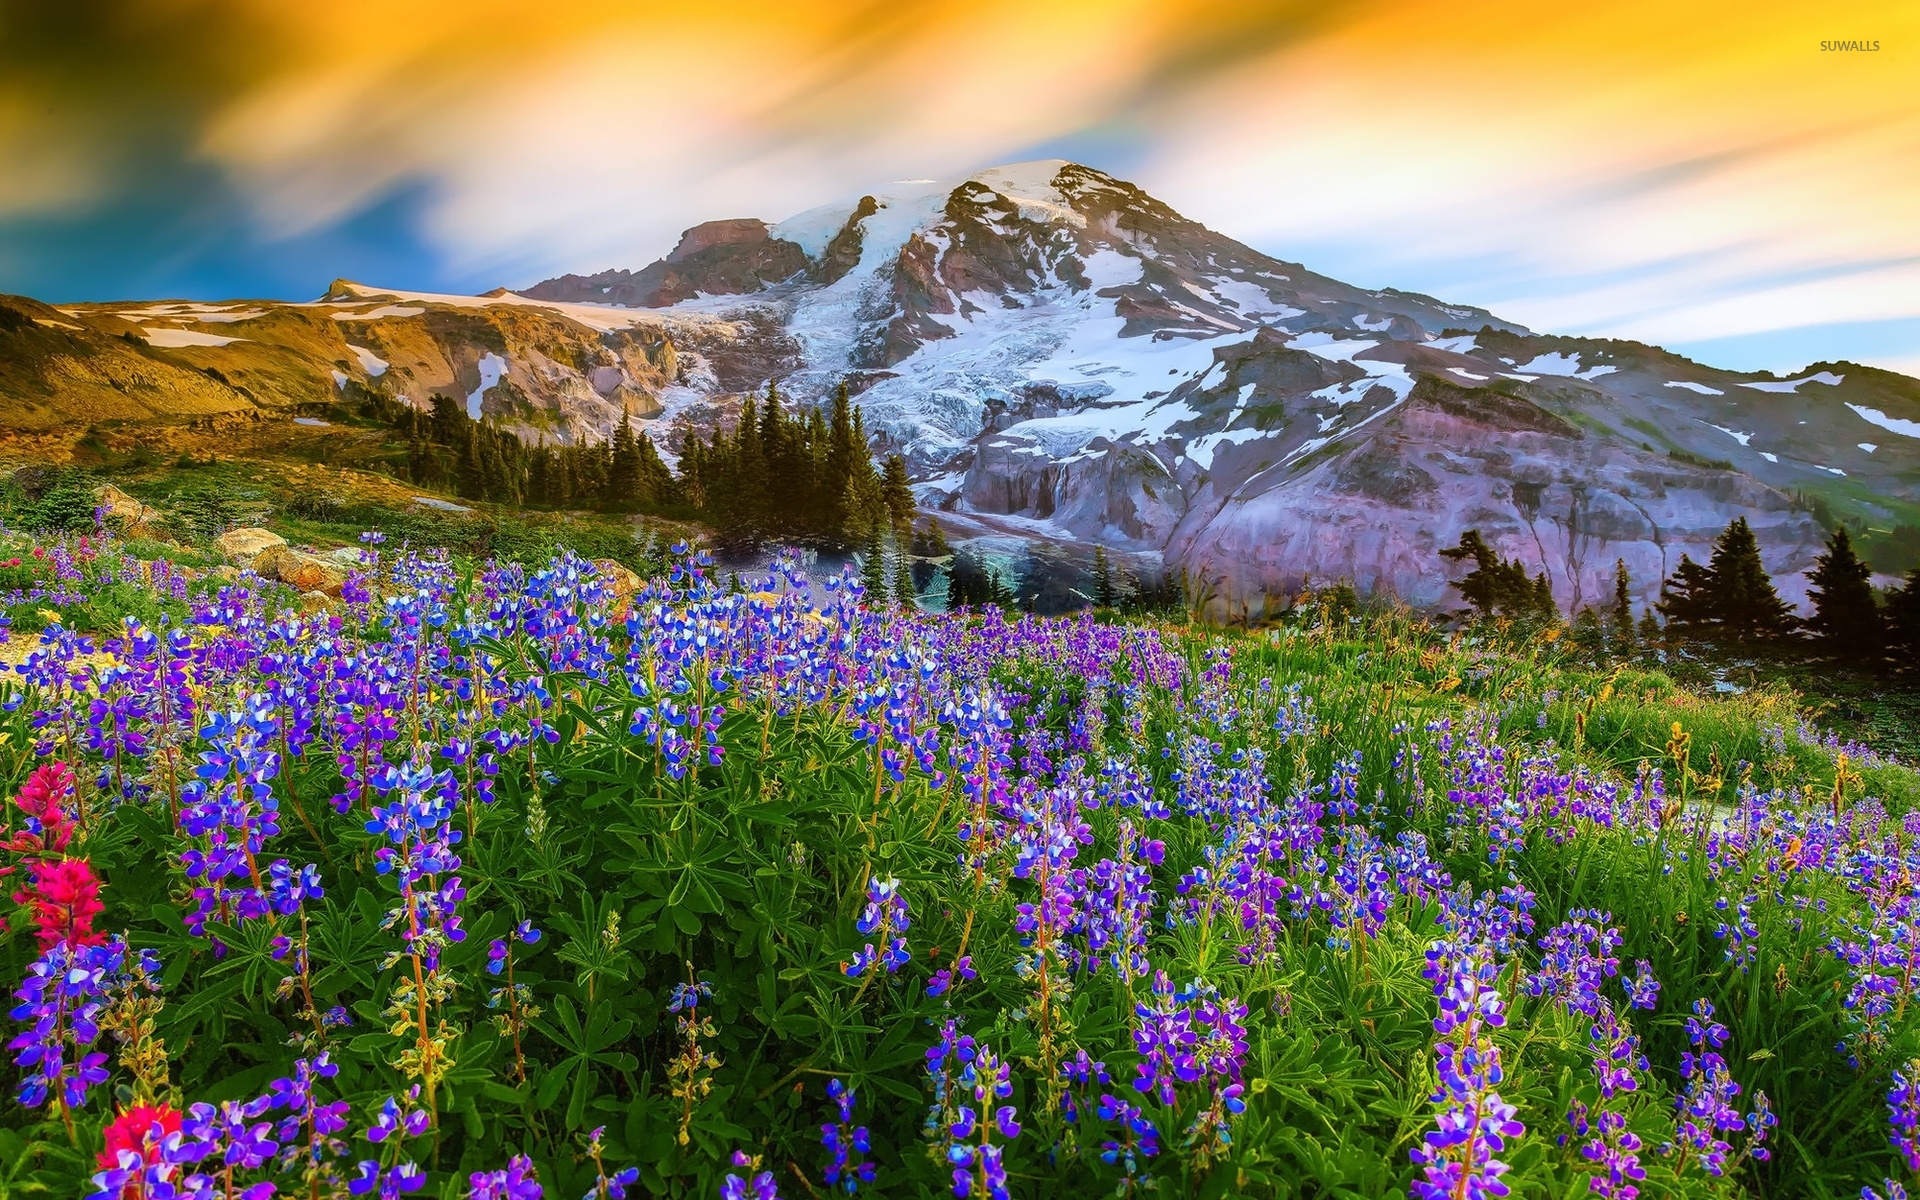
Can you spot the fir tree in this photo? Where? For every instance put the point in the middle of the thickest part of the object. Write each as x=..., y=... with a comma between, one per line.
x=1845, y=618
x=1745, y=605
x=1496, y=585
x=905, y=592
x=1620, y=616
x=1903, y=622
x=873, y=569
x=1103, y=593
x=1687, y=599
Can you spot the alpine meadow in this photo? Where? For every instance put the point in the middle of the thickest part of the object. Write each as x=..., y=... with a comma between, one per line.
x=988, y=601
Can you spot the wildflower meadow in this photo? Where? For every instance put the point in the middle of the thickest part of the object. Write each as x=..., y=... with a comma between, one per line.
x=498, y=882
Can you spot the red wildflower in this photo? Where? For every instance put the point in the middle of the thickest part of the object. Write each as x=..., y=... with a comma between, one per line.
x=139, y=1129
x=44, y=797
x=66, y=898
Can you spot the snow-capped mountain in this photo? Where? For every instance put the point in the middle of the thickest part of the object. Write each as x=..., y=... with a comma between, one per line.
x=1061, y=357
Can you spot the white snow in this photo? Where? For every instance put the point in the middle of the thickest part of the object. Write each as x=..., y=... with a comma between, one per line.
x=314, y=422
x=1772, y=458
x=1742, y=438
x=50, y=323
x=1521, y=378
x=1567, y=365
x=1463, y=344
x=1869, y=447
x=492, y=367
x=1321, y=344
x=1373, y=324
x=217, y=318
x=1830, y=470
x=370, y=362
x=1789, y=385
x=385, y=310
x=1691, y=386
x=1899, y=425
x=173, y=339
x=340, y=378
x=1200, y=449
x=1463, y=373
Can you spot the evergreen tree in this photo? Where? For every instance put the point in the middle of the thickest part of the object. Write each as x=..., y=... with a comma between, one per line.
x=1542, y=604
x=906, y=592
x=896, y=494
x=1687, y=599
x=1845, y=618
x=625, y=486
x=1620, y=616
x=1745, y=605
x=1903, y=622
x=1497, y=585
x=1649, y=631
x=1103, y=593
x=873, y=569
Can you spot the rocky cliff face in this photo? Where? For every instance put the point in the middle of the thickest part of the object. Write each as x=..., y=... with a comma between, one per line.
x=1062, y=357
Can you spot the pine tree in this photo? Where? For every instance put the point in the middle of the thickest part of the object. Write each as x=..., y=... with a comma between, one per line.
x=1845, y=618
x=1103, y=593
x=1649, y=631
x=625, y=485
x=873, y=569
x=1687, y=599
x=905, y=592
x=1903, y=622
x=1746, y=607
x=1497, y=585
x=1620, y=616
x=1542, y=604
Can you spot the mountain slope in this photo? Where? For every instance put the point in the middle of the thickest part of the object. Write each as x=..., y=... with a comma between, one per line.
x=1062, y=357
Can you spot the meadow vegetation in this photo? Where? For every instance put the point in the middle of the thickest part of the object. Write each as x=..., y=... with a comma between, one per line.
x=496, y=880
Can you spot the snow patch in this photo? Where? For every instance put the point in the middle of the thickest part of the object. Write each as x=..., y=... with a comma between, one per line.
x=314, y=422
x=1321, y=344
x=1772, y=458
x=1456, y=345
x=1898, y=425
x=1869, y=447
x=492, y=367
x=385, y=310
x=1691, y=386
x=1564, y=365
x=1742, y=438
x=370, y=362
x=1200, y=450
x=1790, y=385
x=1463, y=373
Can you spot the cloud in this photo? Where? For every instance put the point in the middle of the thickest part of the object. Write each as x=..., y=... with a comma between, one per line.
x=1679, y=173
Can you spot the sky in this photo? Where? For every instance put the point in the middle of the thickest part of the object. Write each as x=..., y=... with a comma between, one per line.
x=1701, y=175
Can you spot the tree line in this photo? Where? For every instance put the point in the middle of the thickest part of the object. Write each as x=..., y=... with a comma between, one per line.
x=1728, y=602
x=804, y=478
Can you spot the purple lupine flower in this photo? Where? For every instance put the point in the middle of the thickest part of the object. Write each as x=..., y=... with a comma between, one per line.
x=886, y=913
x=1903, y=1114
x=515, y=1181
x=978, y=1160
x=761, y=1186
x=846, y=1143
x=498, y=949
x=1643, y=990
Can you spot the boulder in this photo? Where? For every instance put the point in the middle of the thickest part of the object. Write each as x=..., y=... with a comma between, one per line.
x=620, y=580
x=128, y=515
x=309, y=572
x=251, y=548
x=315, y=602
